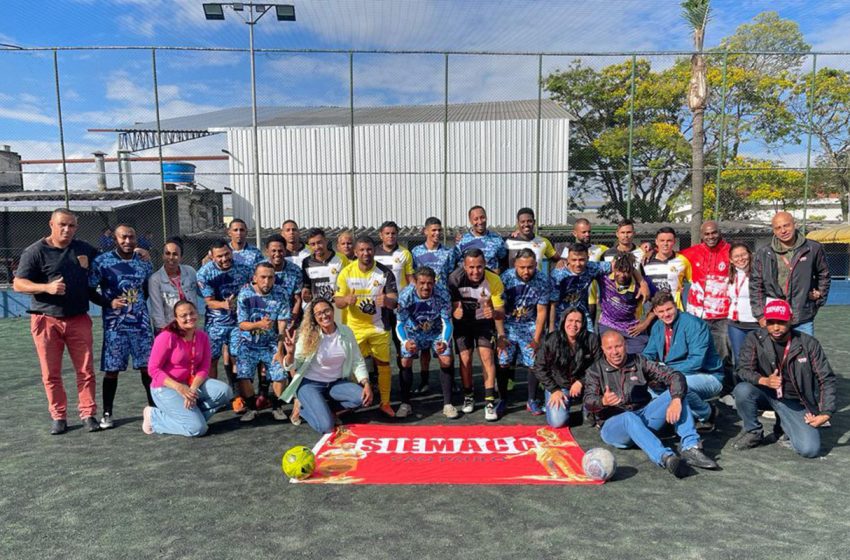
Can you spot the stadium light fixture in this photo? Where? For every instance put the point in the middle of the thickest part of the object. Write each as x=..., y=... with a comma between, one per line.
x=214, y=11
x=284, y=12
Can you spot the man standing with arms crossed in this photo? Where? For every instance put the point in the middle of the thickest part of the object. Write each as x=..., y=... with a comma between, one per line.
x=54, y=271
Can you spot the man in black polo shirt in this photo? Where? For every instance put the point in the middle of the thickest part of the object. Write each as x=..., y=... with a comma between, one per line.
x=54, y=271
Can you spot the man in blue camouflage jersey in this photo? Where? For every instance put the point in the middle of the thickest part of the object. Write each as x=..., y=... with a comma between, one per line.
x=527, y=295
x=441, y=260
x=571, y=285
x=219, y=281
x=263, y=314
x=243, y=252
x=424, y=324
x=122, y=277
x=479, y=237
x=287, y=275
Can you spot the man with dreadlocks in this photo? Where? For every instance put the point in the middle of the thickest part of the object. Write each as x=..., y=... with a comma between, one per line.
x=621, y=303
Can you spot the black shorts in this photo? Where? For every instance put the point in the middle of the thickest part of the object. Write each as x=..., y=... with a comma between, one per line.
x=468, y=336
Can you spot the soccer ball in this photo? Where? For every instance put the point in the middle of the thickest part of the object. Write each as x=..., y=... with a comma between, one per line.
x=298, y=462
x=599, y=464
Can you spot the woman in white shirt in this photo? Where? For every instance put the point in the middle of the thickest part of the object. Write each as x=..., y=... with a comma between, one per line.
x=324, y=358
x=170, y=284
x=741, y=320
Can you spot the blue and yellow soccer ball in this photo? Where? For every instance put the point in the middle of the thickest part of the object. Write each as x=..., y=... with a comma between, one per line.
x=298, y=462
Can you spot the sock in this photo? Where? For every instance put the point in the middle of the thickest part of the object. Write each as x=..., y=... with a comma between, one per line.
x=251, y=402
x=447, y=375
x=405, y=381
x=385, y=381
x=110, y=385
x=503, y=374
x=231, y=377
x=264, y=385
x=489, y=395
x=532, y=385
x=146, y=383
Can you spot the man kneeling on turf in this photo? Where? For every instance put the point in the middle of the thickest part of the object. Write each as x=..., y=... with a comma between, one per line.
x=617, y=391
x=786, y=371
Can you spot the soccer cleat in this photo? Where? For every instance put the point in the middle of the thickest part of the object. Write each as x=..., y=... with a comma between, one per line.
x=468, y=404
x=387, y=409
x=534, y=407
x=748, y=440
x=90, y=423
x=404, y=410
x=147, y=426
x=106, y=422
x=695, y=457
x=238, y=405
x=249, y=416
x=490, y=413
x=279, y=414
x=450, y=412
x=58, y=427
x=673, y=464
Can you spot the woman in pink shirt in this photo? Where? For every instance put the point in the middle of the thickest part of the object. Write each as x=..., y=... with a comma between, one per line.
x=179, y=365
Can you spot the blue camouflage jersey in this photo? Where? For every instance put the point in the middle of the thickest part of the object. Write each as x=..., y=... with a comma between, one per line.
x=569, y=289
x=220, y=285
x=423, y=319
x=490, y=243
x=253, y=307
x=441, y=260
x=126, y=278
x=290, y=279
x=522, y=298
x=249, y=256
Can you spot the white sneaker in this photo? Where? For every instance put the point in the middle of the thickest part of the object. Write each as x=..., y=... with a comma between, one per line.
x=490, y=413
x=249, y=416
x=279, y=414
x=769, y=414
x=404, y=410
x=468, y=405
x=449, y=411
x=106, y=422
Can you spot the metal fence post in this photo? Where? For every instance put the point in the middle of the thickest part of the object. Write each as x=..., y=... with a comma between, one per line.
x=159, y=144
x=445, y=147
x=722, y=144
x=809, y=142
x=351, y=139
x=631, y=139
x=539, y=136
x=61, y=127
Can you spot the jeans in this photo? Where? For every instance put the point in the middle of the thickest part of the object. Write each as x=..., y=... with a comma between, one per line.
x=558, y=417
x=749, y=399
x=171, y=416
x=736, y=339
x=807, y=328
x=628, y=428
x=315, y=408
x=701, y=387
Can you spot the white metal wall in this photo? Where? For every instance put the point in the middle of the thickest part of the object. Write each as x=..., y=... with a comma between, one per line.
x=305, y=172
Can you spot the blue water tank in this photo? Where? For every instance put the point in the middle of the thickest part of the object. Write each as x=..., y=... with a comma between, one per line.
x=178, y=172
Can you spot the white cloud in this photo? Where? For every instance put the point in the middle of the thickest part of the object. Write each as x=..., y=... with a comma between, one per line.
x=25, y=107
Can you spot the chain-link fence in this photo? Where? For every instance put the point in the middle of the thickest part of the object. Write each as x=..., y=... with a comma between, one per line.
x=170, y=140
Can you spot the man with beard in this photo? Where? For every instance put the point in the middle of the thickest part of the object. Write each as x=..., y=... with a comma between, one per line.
x=486, y=241
x=122, y=276
x=243, y=252
x=525, y=237
x=219, y=282
x=321, y=268
x=263, y=313
x=425, y=325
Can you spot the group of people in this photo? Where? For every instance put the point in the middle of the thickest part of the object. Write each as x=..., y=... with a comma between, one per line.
x=608, y=328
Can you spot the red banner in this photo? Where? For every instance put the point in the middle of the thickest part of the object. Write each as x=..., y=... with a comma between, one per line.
x=387, y=454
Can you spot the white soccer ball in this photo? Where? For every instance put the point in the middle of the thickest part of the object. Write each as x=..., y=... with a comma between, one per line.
x=599, y=464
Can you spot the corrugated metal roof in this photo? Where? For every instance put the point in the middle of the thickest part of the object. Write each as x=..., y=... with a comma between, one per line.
x=238, y=117
x=75, y=205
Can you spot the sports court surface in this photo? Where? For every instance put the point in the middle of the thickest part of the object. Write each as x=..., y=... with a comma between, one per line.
x=122, y=494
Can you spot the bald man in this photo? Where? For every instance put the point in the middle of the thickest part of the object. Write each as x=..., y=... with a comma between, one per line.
x=617, y=391
x=790, y=268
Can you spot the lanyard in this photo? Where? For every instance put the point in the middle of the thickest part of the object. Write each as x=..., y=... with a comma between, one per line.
x=738, y=285
x=178, y=285
x=191, y=361
x=782, y=365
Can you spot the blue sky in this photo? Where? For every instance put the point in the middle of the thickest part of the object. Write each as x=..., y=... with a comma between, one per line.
x=101, y=89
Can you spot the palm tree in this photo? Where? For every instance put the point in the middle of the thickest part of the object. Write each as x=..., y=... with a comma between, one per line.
x=696, y=14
